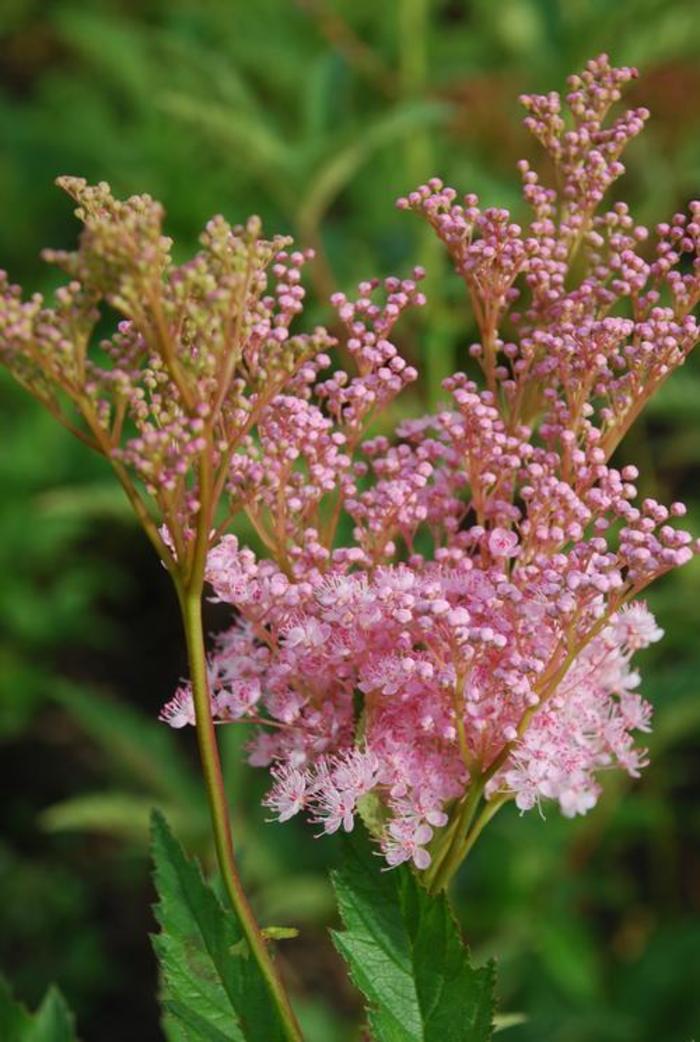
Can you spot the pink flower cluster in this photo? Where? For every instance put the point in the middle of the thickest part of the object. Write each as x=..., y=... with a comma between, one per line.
x=476, y=632
x=404, y=680
x=200, y=349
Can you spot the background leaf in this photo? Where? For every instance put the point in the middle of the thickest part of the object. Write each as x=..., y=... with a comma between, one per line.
x=14, y=1019
x=115, y=813
x=52, y=1022
x=141, y=748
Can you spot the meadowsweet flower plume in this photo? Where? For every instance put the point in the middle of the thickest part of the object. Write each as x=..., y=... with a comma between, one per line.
x=472, y=643
x=200, y=349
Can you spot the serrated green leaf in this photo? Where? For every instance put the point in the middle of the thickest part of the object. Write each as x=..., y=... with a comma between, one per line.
x=406, y=955
x=52, y=1022
x=14, y=1019
x=209, y=991
x=196, y=1027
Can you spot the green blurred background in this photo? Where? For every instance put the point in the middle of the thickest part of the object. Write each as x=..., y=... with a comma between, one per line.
x=315, y=114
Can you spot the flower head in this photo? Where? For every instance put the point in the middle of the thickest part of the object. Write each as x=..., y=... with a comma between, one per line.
x=433, y=613
x=502, y=657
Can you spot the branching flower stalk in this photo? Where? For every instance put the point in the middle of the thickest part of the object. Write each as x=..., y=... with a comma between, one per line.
x=444, y=621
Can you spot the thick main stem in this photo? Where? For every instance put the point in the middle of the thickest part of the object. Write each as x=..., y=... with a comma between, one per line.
x=191, y=607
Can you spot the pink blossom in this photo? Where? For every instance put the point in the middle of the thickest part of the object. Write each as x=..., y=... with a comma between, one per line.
x=288, y=795
x=478, y=618
x=635, y=627
x=503, y=543
x=179, y=711
x=406, y=842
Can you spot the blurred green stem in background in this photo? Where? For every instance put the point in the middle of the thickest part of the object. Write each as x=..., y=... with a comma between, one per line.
x=413, y=34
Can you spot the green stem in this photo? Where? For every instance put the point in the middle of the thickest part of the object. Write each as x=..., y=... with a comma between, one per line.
x=489, y=811
x=464, y=839
x=191, y=608
x=436, y=878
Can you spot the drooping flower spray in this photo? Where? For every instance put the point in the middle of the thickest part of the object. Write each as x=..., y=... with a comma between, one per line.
x=471, y=643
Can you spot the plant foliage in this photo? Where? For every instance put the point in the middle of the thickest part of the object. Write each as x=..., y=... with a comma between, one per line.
x=406, y=955
x=212, y=990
